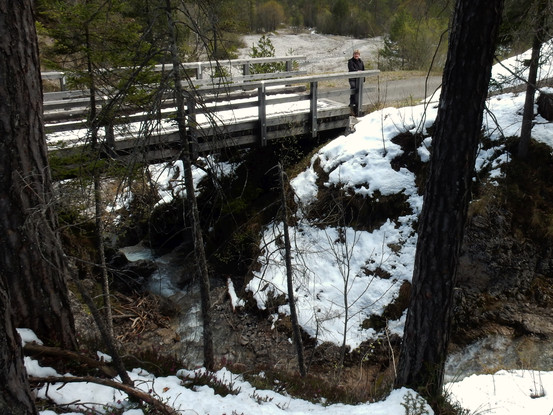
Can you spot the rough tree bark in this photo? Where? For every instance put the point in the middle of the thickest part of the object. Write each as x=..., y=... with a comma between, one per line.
x=31, y=257
x=32, y=268
x=15, y=393
x=447, y=193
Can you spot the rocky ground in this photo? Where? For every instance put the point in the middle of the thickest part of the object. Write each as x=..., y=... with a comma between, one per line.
x=504, y=289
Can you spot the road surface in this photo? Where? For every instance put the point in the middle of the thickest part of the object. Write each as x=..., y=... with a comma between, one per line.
x=407, y=91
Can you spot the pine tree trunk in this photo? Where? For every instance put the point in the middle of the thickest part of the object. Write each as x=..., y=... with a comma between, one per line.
x=31, y=257
x=447, y=193
x=528, y=112
x=15, y=393
x=99, y=225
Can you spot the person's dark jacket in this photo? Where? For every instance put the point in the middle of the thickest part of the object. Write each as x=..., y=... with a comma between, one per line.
x=355, y=65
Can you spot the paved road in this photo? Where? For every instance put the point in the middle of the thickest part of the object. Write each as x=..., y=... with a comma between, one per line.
x=409, y=90
x=394, y=92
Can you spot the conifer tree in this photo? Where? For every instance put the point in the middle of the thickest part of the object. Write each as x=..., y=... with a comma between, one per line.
x=541, y=17
x=31, y=258
x=447, y=193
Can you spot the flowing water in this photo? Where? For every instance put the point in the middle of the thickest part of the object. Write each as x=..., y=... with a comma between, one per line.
x=497, y=352
x=166, y=281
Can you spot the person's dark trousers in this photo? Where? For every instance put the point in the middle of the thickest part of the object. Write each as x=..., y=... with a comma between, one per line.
x=353, y=97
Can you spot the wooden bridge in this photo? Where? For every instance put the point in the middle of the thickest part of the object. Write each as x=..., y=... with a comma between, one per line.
x=244, y=110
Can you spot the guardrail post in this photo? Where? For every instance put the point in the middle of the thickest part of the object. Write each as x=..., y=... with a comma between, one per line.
x=289, y=65
x=262, y=110
x=62, y=82
x=313, y=107
x=246, y=68
x=199, y=72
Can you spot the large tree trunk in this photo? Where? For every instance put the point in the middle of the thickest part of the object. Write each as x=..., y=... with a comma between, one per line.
x=458, y=127
x=15, y=393
x=31, y=257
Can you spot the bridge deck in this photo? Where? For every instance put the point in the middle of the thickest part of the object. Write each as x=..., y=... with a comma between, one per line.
x=214, y=131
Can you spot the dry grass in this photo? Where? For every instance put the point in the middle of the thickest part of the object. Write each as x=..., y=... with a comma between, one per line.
x=383, y=76
x=398, y=75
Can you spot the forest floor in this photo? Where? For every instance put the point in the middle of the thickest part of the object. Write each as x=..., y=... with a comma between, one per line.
x=160, y=334
x=151, y=336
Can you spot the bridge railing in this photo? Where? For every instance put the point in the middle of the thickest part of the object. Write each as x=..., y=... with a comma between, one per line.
x=209, y=69
x=265, y=88
x=213, y=112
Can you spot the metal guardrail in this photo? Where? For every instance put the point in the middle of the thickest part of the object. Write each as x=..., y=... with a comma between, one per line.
x=201, y=69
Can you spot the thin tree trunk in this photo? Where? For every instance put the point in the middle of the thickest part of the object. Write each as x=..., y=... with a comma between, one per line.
x=99, y=226
x=346, y=320
x=101, y=254
x=106, y=336
x=289, y=278
x=447, y=193
x=528, y=112
x=199, y=251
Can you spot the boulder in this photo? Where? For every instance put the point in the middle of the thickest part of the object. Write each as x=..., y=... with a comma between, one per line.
x=545, y=105
x=129, y=277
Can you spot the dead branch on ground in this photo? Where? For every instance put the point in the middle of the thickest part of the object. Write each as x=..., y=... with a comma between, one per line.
x=131, y=391
x=36, y=350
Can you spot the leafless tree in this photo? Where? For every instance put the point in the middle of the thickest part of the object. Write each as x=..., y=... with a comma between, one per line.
x=289, y=275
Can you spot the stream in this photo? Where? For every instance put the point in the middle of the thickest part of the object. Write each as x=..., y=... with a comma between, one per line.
x=487, y=355
x=497, y=352
x=165, y=282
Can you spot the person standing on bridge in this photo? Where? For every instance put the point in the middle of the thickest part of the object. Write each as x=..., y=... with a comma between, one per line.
x=355, y=63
